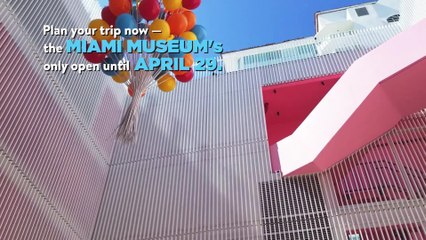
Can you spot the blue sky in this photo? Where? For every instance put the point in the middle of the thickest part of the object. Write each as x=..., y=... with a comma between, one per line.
x=240, y=24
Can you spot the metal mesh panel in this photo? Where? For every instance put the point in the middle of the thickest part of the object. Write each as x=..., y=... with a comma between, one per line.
x=376, y=193
x=379, y=191
x=293, y=208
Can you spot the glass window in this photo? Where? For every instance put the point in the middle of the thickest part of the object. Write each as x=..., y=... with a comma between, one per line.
x=361, y=11
x=354, y=237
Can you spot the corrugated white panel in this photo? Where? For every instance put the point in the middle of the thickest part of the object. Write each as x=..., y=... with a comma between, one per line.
x=199, y=150
x=195, y=168
x=80, y=94
x=412, y=11
x=79, y=88
x=206, y=114
x=53, y=141
x=200, y=193
x=26, y=212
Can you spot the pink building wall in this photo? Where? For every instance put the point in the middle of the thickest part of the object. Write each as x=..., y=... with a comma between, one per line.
x=367, y=101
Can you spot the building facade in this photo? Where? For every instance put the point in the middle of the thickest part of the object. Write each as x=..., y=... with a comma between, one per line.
x=209, y=162
x=331, y=28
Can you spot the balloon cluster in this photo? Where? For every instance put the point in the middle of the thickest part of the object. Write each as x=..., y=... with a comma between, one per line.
x=165, y=20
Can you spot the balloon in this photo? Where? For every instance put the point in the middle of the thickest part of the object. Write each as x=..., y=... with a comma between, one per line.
x=130, y=91
x=119, y=7
x=178, y=23
x=191, y=18
x=124, y=21
x=108, y=16
x=161, y=74
x=185, y=77
x=190, y=36
x=161, y=26
x=97, y=24
x=200, y=32
x=121, y=77
x=179, y=72
x=94, y=57
x=189, y=60
x=166, y=83
x=191, y=4
x=171, y=5
x=108, y=61
x=149, y=9
x=171, y=37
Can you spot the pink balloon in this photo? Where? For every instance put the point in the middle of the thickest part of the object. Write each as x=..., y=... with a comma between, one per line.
x=191, y=4
x=185, y=77
x=149, y=9
x=108, y=16
x=95, y=57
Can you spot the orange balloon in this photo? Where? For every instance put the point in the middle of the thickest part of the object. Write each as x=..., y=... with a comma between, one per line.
x=121, y=77
x=97, y=24
x=178, y=23
x=119, y=7
x=189, y=36
x=171, y=37
x=189, y=60
x=191, y=18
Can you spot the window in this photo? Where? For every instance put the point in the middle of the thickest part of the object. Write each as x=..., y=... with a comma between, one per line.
x=361, y=11
x=354, y=237
x=278, y=56
x=262, y=59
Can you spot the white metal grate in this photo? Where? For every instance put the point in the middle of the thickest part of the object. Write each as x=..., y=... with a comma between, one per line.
x=293, y=208
x=379, y=191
